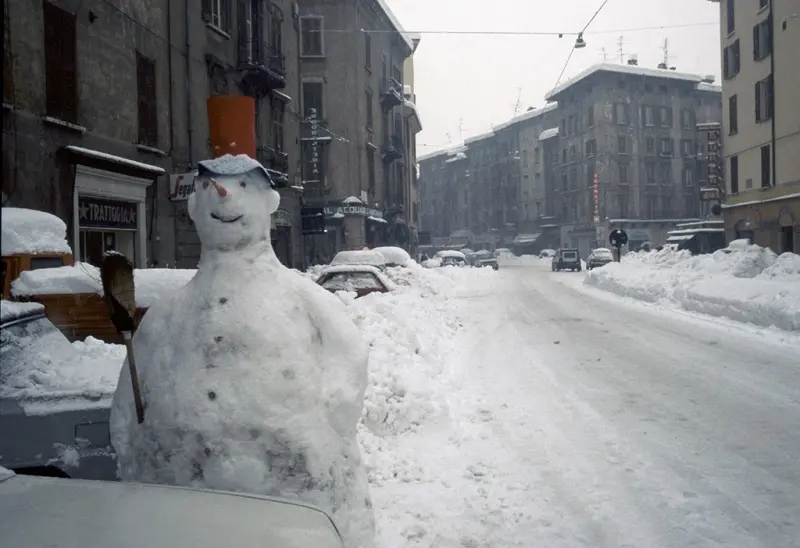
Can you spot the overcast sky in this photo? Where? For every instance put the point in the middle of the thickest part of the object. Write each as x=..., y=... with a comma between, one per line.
x=474, y=80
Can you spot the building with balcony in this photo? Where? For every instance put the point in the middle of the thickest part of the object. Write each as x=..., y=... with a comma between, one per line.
x=760, y=40
x=628, y=151
x=87, y=122
x=355, y=142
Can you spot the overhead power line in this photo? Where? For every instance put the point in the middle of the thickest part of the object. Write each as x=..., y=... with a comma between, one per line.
x=580, y=38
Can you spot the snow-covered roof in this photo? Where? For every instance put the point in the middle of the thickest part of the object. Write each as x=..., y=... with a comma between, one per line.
x=352, y=200
x=415, y=111
x=116, y=159
x=408, y=37
x=151, y=284
x=705, y=86
x=450, y=253
x=480, y=137
x=27, y=231
x=452, y=151
x=624, y=69
x=11, y=310
x=522, y=239
x=548, y=133
x=528, y=115
x=456, y=157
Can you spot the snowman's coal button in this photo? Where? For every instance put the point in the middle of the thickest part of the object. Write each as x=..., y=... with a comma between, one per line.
x=218, y=339
x=212, y=395
x=223, y=300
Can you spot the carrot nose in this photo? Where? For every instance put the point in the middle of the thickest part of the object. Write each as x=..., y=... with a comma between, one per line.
x=220, y=189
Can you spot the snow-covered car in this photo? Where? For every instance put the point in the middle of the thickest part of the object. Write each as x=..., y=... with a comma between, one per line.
x=394, y=256
x=449, y=257
x=566, y=259
x=547, y=253
x=360, y=279
x=486, y=258
x=360, y=257
x=54, y=401
x=599, y=257
x=100, y=514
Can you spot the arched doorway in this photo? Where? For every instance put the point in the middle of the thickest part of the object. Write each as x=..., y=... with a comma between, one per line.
x=744, y=230
x=786, y=227
x=281, y=236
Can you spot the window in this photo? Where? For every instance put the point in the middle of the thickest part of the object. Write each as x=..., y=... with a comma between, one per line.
x=368, y=50
x=623, y=174
x=733, y=115
x=564, y=183
x=687, y=148
x=763, y=90
x=687, y=119
x=686, y=177
x=591, y=147
x=276, y=28
x=665, y=174
x=60, y=64
x=734, y=174
x=623, y=205
x=762, y=4
x=731, y=61
x=148, y=112
x=278, y=110
x=573, y=153
x=665, y=116
x=573, y=124
x=573, y=178
x=217, y=13
x=562, y=128
x=371, y=170
x=647, y=116
x=667, y=147
x=650, y=145
x=622, y=144
x=312, y=100
x=730, y=13
x=650, y=173
x=762, y=40
x=311, y=44
x=590, y=116
x=368, y=94
x=621, y=114
x=766, y=167
x=564, y=156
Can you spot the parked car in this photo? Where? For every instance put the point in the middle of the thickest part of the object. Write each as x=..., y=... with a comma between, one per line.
x=360, y=257
x=49, y=427
x=599, y=257
x=450, y=257
x=361, y=279
x=547, y=253
x=566, y=259
x=394, y=256
x=486, y=258
x=74, y=513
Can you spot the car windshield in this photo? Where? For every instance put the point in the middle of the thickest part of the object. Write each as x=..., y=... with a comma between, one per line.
x=351, y=281
x=569, y=254
x=449, y=261
x=602, y=252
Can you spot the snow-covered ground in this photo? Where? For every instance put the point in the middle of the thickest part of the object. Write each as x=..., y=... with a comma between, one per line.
x=751, y=284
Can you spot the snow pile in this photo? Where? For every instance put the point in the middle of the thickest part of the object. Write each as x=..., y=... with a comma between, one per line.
x=40, y=363
x=152, y=284
x=749, y=284
x=27, y=231
x=524, y=260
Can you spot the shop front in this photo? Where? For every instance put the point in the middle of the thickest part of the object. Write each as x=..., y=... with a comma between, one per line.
x=773, y=223
x=353, y=226
x=110, y=215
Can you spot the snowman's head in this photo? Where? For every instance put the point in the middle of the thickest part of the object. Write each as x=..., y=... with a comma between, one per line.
x=233, y=200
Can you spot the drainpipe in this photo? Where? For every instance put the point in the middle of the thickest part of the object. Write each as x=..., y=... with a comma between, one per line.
x=188, y=83
x=772, y=28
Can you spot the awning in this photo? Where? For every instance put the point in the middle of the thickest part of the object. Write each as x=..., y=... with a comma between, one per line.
x=376, y=219
x=525, y=239
x=679, y=238
x=97, y=155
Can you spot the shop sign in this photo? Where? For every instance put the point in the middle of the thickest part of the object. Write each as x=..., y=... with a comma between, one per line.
x=312, y=117
x=353, y=211
x=181, y=185
x=596, y=196
x=112, y=214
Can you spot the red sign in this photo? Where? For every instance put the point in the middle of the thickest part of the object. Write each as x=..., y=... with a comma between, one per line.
x=596, y=192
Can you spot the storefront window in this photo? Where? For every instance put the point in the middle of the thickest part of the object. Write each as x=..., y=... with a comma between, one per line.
x=95, y=243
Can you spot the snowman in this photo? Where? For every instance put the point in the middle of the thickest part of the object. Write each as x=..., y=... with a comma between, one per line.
x=252, y=377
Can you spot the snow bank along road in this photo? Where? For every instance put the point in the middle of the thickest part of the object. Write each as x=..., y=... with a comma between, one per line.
x=578, y=418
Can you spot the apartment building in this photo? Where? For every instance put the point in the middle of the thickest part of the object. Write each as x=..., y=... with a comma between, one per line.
x=760, y=41
x=86, y=121
x=354, y=130
x=628, y=151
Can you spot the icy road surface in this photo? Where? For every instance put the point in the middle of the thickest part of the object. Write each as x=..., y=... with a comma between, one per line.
x=582, y=419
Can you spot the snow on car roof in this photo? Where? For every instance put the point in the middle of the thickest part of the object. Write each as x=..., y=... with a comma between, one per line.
x=151, y=284
x=363, y=256
x=450, y=253
x=27, y=231
x=10, y=310
x=394, y=255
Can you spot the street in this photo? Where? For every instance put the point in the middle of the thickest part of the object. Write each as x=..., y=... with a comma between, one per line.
x=579, y=418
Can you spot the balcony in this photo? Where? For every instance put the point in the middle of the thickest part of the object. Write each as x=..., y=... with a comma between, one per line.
x=391, y=94
x=393, y=149
x=263, y=68
x=274, y=160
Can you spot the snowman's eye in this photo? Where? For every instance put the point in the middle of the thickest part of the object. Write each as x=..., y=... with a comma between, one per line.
x=242, y=184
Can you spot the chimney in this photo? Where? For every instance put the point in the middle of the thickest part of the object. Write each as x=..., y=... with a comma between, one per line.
x=662, y=66
x=709, y=78
x=633, y=60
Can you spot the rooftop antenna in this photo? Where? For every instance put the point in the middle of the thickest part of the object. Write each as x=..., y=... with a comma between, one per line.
x=604, y=53
x=665, y=48
x=449, y=139
x=460, y=129
x=620, y=50
x=517, y=104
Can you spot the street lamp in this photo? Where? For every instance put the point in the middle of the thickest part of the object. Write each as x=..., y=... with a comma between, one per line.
x=580, y=43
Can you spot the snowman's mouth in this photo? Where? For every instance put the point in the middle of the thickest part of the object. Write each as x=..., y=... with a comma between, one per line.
x=226, y=219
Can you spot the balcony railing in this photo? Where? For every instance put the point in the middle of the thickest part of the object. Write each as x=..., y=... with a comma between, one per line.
x=391, y=93
x=264, y=66
x=273, y=159
x=393, y=149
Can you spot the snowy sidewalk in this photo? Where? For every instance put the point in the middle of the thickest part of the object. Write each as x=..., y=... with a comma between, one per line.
x=749, y=285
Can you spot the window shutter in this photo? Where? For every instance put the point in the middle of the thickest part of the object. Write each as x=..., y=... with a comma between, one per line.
x=206, y=10
x=758, y=102
x=60, y=59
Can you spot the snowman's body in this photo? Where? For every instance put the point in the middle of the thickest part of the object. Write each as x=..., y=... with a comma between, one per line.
x=253, y=380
